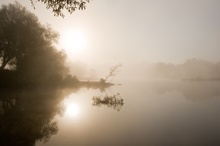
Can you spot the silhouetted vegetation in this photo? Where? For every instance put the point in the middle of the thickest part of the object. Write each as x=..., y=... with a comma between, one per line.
x=31, y=71
x=27, y=50
x=103, y=83
x=58, y=6
x=27, y=116
x=191, y=70
x=28, y=55
x=95, y=84
x=112, y=73
x=115, y=101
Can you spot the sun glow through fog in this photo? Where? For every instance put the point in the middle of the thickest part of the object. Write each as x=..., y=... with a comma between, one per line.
x=73, y=42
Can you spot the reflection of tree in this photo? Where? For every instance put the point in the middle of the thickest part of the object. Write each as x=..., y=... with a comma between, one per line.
x=28, y=116
x=115, y=101
x=191, y=90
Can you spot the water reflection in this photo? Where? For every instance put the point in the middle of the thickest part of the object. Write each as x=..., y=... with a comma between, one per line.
x=194, y=91
x=155, y=114
x=114, y=101
x=27, y=116
x=72, y=110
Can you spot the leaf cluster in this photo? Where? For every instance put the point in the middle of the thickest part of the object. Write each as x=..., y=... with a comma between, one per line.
x=58, y=6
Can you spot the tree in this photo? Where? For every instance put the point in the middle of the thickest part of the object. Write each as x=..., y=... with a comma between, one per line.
x=58, y=6
x=28, y=46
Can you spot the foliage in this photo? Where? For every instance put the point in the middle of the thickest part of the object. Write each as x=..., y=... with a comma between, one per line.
x=27, y=46
x=58, y=6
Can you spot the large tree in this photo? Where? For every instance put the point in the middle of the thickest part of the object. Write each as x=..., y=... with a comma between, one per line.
x=58, y=6
x=27, y=45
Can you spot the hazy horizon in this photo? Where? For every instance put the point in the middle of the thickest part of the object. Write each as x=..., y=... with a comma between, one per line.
x=129, y=32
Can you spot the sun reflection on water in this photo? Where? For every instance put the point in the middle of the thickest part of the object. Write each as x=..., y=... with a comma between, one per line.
x=72, y=110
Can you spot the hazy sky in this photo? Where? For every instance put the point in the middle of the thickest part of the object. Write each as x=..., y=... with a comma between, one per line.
x=129, y=31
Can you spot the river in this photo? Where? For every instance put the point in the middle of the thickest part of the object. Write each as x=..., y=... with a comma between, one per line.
x=156, y=113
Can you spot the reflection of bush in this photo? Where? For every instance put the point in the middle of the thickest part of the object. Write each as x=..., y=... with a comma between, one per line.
x=28, y=116
x=191, y=90
x=114, y=101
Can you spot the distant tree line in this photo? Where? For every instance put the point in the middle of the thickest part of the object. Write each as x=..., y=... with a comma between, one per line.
x=192, y=69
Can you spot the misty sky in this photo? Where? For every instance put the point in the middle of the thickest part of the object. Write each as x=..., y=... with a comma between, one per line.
x=129, y=31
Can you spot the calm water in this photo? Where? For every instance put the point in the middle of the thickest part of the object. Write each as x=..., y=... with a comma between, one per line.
x=155, y=113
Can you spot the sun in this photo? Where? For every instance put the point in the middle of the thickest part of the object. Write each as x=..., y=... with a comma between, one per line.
x=72, y=109
x=73, y=42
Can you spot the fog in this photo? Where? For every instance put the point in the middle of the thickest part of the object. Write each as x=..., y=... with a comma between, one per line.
x=82, y=70
x=144, y=72
x=192, y=70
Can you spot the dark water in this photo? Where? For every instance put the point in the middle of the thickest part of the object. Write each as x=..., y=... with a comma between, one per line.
x=155, y=113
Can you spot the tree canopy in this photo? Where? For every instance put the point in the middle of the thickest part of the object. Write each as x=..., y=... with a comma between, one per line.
x=27, y=46
x=58, y=6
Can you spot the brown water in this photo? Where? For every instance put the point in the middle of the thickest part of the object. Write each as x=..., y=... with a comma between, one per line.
x=155, y=113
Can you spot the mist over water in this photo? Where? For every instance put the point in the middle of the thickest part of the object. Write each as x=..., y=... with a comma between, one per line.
x=193, y=69
x=158, y=112
x=154, y=104
x=131, y=73
x=159, y=108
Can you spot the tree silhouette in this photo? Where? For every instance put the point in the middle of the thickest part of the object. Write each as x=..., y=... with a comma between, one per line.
x=27, y=46
x=58, y=6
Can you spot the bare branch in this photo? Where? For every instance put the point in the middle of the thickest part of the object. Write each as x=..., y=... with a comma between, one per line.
x=113, y=72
